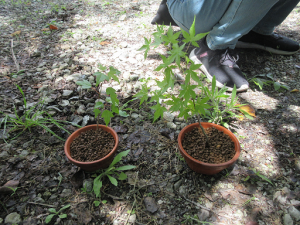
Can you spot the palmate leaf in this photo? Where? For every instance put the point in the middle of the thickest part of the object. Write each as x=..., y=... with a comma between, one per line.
x=187, y=92
x=106, y=115
x=100, y=77
x=101, y=67
x=159, y=111
x=176, y=53
x=158, y=36
x=99, y=105
x=146, y=47
x=113, y=96
x=143, y=94
x=190, y=37
x=84, y=84
x=176, y=104
x=97, y=112
x=170, y=37
x=113, y=73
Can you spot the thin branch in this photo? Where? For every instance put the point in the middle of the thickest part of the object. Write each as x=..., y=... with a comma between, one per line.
x=36, y=203
x=13, y=55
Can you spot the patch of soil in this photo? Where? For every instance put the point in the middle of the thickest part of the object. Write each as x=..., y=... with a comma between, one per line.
x=219, y=150
x=92, y=145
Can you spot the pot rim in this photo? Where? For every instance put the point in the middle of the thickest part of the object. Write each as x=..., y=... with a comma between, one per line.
x=85, y=128
x=229, y=133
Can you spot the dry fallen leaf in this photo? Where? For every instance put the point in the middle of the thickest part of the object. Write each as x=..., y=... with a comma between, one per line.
x=9, y=187
x=294, y=90
x=52, y=27
x=104, y=43
x=16, y=33
x=45, y=29
x=249, y=109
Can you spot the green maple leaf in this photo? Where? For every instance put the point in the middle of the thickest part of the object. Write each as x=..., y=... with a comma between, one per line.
x=176, y=53
x=84, y=84
x=113, y=96
x=159, y=111
x=170, y=37
x=187, y=92
x=146, y=47
x=143, y=94
x=191, y=37
x=176, y=104
x=97, y=112
x=113, y=72
x=166, y=63
x=107, y=115
x=100, y=77
x=158, y=36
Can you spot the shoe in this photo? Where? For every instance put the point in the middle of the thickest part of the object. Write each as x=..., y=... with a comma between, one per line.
x=222, y=65
x=273, y=43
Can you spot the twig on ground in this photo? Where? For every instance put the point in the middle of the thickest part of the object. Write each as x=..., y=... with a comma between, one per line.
x=196, y=203
x=36, y=203
x=13, y=55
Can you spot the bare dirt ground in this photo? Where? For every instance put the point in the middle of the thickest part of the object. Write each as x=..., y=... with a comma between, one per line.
x=162, y=189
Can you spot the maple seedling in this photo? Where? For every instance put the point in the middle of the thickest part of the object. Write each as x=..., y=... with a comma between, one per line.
x=210, y=103
x=106, y=114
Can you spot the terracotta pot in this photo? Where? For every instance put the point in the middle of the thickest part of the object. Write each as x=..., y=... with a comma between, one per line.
x=208, y=168
x=94, y=165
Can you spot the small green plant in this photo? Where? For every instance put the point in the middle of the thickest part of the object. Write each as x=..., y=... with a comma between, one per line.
x=106, y=114
x=130, y=212
x=58, y=213
x=97, y=203
x=179, y=156
x=267, y=79
x=112, y=170
x=32, y=117
x=248, y=201
x=84, y=190
x=14, y=190
x=210, y=103
x=259, y=175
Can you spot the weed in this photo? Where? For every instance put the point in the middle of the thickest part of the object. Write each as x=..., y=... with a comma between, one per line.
x=259, y=175
x=97, y=203
x=267, y=79
x=248, y=201
x=111, y=170
x=53, y=213
x=112, y=99
x=32, y=117
x=179, y=156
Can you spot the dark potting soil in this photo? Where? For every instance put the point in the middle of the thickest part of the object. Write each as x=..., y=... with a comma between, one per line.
x=219, y=150
x=92, y=145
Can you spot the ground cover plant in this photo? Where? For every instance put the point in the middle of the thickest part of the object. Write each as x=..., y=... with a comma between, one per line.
x=32, y=116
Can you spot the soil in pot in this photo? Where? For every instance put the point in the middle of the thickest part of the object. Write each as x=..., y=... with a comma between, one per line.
x=220, y=147
x=92, y=145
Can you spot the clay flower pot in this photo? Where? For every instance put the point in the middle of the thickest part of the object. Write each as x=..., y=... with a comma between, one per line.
x=94, y=165
x=208, y=168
